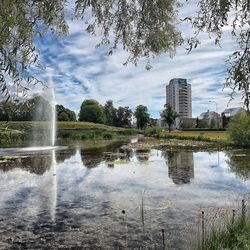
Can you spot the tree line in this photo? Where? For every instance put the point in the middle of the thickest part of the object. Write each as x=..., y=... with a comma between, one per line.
x=92, y=111
x=39, y=109
x=34, y=109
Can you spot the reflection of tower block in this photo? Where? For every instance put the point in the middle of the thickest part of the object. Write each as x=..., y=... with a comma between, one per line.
x=180, y=167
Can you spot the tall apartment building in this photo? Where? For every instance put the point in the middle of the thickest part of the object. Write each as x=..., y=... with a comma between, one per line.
x=178, y=95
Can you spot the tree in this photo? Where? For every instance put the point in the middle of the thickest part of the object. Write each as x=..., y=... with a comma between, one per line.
x=202, y=123
x=169, y=115
x=239, y=130
x=7, y=110
x=64, y=114
x=110, y=113
x=212, y=17
x=37, y=109
x=142, y=116
x=92, y=111
x=143, y=28
x=123, y=117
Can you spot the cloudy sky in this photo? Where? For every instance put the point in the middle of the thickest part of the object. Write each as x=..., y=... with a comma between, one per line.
x=80, y=71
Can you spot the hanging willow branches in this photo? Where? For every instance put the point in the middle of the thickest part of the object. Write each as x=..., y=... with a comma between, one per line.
x=213, y=16
x=144, y=28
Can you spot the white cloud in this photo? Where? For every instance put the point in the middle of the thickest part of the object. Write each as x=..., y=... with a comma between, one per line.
x=82, y=72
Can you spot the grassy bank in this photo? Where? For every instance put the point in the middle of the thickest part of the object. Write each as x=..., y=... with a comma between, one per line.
x=219, y=136
x=235, y=236
x=26, y=130
x=230, y=233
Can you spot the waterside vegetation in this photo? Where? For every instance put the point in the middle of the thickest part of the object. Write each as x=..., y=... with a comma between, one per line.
x=231, y=232
x=19, y=131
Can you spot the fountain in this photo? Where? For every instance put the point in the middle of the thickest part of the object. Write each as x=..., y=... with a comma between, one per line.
x=48, y=144
x=51, y=95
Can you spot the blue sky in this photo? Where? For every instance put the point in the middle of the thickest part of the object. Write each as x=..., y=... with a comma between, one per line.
x=80, y=71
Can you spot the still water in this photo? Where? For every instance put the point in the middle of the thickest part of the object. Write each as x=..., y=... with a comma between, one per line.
x=114, y=197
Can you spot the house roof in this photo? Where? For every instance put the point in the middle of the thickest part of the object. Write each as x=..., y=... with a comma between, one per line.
x=232, y=111
x=208, y=115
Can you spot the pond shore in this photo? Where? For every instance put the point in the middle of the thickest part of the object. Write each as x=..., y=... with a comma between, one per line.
x=177, y=144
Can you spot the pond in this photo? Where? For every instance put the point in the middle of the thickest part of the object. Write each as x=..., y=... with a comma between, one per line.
x=114, y=196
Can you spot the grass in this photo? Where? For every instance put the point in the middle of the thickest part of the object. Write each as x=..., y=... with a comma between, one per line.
x=206, y=136
x=23, y=130
x=228, y=232
x=234, y=236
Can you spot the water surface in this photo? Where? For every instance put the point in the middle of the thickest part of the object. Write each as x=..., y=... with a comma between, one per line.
x=114, y=197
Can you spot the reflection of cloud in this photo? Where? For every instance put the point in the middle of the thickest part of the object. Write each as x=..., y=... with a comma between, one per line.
x=81, y=71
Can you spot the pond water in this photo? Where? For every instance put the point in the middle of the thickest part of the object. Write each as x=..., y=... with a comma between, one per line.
x=114, y=197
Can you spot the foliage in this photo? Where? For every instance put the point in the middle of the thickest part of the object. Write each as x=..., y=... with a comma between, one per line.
x=239, y=130
x=169, y=115
x=21, y=23
x=228, y=235
x=92, y=111
x=64, y=114
x=212, y=16
x=37, y=109
x=142, y=116
x=22, y=130
x=154, y=131
x=187, y=124
x=110, y=113
x=7, y=110
x=213, y=123
x=123, y=117
x=204, y=129
x=144, y=28
x=202, y=123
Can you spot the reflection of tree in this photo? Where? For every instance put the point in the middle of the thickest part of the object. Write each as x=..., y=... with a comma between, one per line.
x=92, y=157
x=62, y=155
x=34, y=164
x=125, y=153
x=142, y=154
x=239, y=163
x=180, y=166
x=37, y=164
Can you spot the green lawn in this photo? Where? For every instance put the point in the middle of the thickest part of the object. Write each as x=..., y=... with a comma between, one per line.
x=28, y=125
x=213, y=136
x=23, y=130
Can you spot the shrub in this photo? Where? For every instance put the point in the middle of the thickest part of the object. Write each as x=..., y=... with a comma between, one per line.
x=239, y=130
x=107, y=136
x=153, y=131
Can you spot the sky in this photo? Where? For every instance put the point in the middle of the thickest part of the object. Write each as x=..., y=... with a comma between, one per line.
x=81, y=71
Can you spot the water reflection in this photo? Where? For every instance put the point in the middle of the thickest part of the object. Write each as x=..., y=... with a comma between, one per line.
x=81, y=207
x=62, y=155
x=38, y=164
x=180, y=166
x=142, y=154
x=239, y=163
x=92, y=157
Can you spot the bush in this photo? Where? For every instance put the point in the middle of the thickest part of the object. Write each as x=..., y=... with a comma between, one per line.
x=107, y=136
x=239, y=130
x=154, y=131
x=203, y=129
